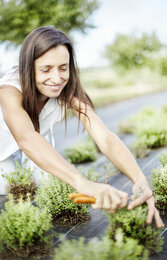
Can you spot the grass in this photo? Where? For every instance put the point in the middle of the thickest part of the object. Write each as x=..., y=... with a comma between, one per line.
x=105, y=86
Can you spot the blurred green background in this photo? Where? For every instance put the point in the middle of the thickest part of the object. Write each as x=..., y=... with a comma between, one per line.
x=130, y=50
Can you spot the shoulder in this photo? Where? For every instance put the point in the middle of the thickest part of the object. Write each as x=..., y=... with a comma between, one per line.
x=11, y=78
x=9, y=96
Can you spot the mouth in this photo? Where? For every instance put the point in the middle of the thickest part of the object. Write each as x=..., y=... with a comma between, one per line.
x=54, y=87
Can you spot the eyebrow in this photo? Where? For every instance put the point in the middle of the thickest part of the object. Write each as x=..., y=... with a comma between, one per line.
x=49, y=66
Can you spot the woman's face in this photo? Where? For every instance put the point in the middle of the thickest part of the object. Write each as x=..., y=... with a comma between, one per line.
x=52, y=72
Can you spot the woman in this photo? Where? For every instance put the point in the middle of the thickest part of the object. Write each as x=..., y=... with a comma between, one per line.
x=34, y=100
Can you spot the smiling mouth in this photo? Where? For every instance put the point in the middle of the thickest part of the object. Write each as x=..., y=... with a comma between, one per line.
x=55, y=87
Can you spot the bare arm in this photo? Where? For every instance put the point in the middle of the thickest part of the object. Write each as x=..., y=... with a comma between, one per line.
x=110, y=145
x=41, y=152
x=114, y=149
x=31, y=142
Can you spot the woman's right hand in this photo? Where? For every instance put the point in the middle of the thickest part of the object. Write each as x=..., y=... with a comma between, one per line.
x=107, y=197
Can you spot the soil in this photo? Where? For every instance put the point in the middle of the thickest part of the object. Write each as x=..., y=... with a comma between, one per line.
x=18, y=189
x=37, y=249
x=68, y=218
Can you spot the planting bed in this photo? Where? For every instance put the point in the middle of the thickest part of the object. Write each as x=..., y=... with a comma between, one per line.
x=98, y=222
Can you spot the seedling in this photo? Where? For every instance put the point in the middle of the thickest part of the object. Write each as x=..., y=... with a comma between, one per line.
x=85, y=151
x=104, y=249
x=53, y=196
x=159, y=183
x=133, y=225
x=24, y=229
x=21, y=182
x=163, y=158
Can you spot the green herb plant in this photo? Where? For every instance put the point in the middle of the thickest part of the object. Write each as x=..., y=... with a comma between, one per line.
x=128, y=126
x=53, y=196
x=24, y=229
x=104, y=249
x=159, y=184
x=163, y=158
x=85, y=151
x=109, y=170
x=153, y=133
x=21, y=182
x=150, y=129
x=133, y=225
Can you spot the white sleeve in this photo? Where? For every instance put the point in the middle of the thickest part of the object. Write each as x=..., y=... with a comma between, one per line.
x=11, y=78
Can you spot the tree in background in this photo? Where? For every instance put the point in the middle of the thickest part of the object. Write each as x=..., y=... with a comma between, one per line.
x=133, y=51
x=19, y=17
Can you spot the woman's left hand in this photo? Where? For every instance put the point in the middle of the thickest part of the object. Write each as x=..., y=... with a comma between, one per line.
x=142, y=193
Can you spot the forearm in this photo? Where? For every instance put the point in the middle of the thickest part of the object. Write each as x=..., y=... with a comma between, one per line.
x=115, y=150
x=42, y=153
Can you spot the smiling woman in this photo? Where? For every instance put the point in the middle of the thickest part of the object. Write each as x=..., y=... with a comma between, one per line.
x=30, y=104
x=52, y=72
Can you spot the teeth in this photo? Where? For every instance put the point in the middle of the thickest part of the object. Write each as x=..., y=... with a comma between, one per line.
x=53, y=87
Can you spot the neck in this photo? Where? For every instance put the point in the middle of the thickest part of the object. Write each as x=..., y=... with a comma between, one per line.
x=41, y=103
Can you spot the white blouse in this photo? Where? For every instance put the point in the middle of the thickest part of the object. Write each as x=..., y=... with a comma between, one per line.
x=49, y=115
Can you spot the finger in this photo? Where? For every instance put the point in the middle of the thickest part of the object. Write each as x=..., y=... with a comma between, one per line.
x=136, y=202
x=150, y=215
x=158, y=220
x=124, y=199
x=132, y=197
x=107, y=203
x=110, y=211
x=99, y=203
x=116, y=201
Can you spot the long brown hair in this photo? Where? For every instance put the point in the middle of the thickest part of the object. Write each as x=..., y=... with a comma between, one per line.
x=35, y=45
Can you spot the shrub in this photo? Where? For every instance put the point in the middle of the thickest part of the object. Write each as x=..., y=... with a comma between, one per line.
x=53, y=196
x=109, y=170
x=105, y=249
x=21, y=182
x=130, y=124
x=149, y=127
x=24, y=228
x=159, y=183
x=163, y=158
x=126, y=127
x=91, y=174
x=132, y=50
x=82, y=152
x=139, y=150
x=133, y=225
x=163, y=66
x=153, y=133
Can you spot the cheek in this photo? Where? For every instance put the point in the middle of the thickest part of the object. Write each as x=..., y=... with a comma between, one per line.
x=39, y=78
x=67, y=76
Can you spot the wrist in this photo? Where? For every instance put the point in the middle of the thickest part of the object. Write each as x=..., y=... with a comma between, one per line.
x=78, y=182
x=138, y=178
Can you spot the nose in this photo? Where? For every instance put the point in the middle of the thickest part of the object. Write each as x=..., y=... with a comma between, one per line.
x=55, y=77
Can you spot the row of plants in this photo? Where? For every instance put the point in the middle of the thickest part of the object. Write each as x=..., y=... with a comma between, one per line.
x=25, y=230
x=159, y=183
x=128, y=236
x=121, y=248
x=84, y=151
x=149, y=127
x=150, y=130
x=40, y=207
x=36, y=236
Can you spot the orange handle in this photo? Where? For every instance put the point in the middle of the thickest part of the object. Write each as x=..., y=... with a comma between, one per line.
x=81, y=198
x=75, y=195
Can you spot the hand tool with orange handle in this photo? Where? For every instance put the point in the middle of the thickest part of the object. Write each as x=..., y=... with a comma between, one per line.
x=81, y=198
